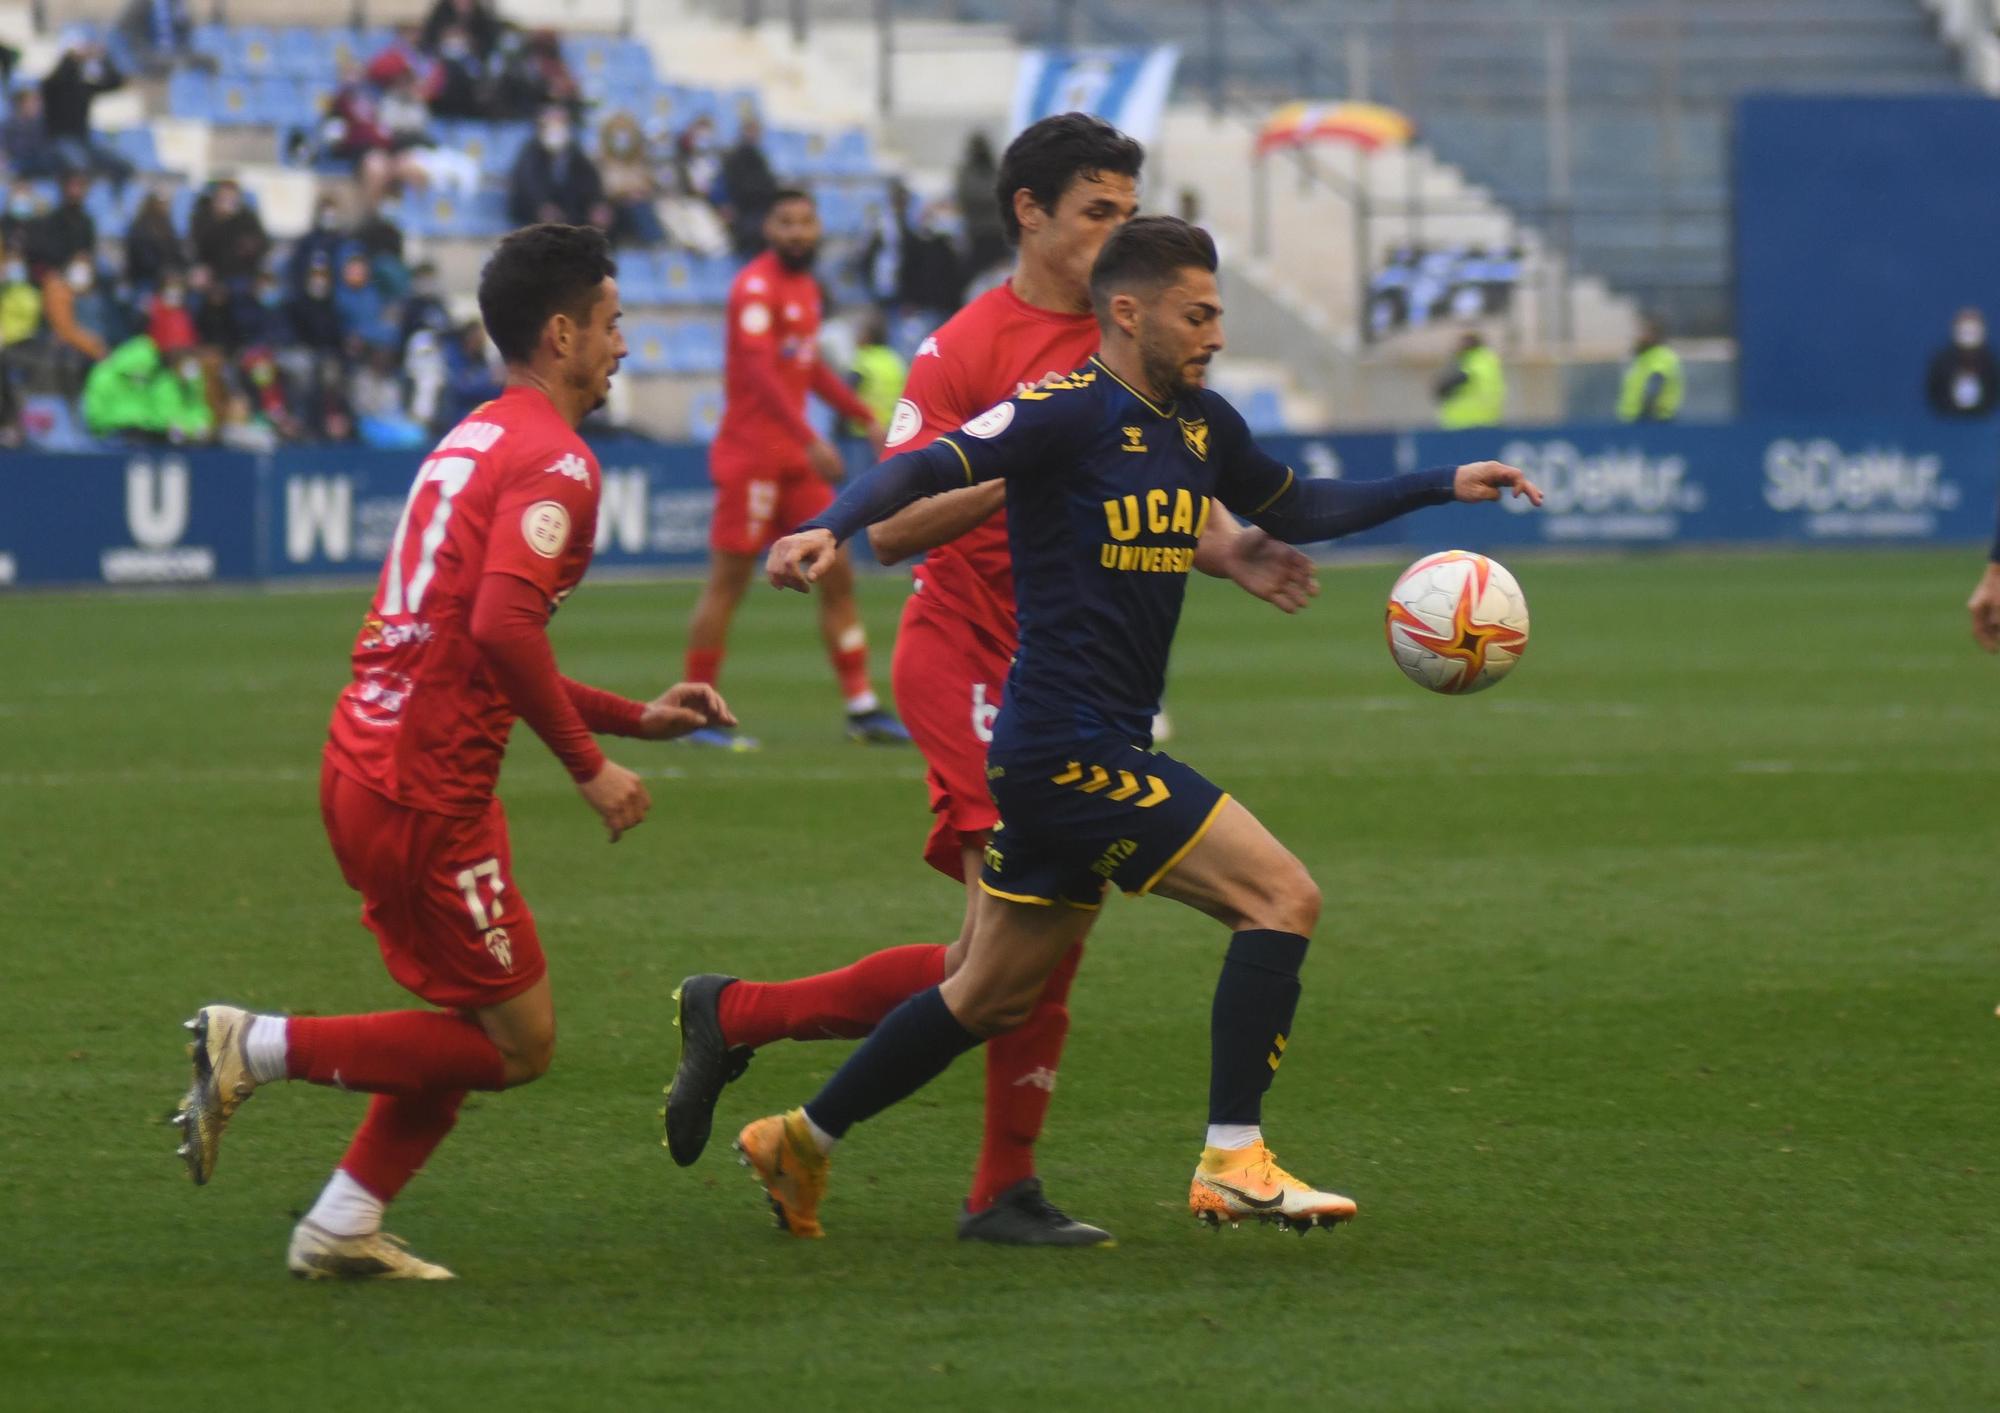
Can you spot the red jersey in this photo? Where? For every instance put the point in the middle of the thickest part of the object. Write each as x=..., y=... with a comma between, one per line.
x=770, y=362
x=988, y=351
x=511, y=489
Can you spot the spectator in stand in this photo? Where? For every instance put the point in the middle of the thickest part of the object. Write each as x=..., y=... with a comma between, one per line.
x=930, y=276
x=58, y=237
x=465, y=83
x=879, y=371
x=748, y=186
x=379, y=236
x=357, y=133
x=534, y=74
x=169, y=322
x=375, y=393
x=481, y=25
x=83, y=316
x=692, y=172
x=475, y=374
x=22, y=210
x=555, y=180
x=629, y=185
x=419, y=158
x=157, y=33
x=215, y=315
x=135, y=392
x=368, y=319
x=422, y=310
x=24, y=141
x=153, y=248
x=1963, y=380
x=311, y=359
x=227, y=234
x=20, y=300
x=83, y=72
x=985, y=233
x=320, y=245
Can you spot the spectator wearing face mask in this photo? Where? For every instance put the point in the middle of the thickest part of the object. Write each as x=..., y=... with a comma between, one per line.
x=423, y=309
x=136, y=392
x=153, y=248
x=367, y=318
x=1964, y=380
x=169, y=321
x=463, y=85
x=684, y=205
x=475, y=19
x=555, y=180
x=319, y=246
x=81, y=315
x=226, y=234
x=629, y=185
x=58, y=237
x=22, y=210
x=20, y=301
x=312, y=314
x=83, y=72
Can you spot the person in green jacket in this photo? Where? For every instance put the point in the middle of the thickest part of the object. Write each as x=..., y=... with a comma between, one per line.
x=1473, y=391
x=1654, y=383
x=879, y=371
x=133, y=391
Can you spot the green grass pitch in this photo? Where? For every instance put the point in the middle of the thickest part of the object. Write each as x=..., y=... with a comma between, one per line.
x=1651, y=1023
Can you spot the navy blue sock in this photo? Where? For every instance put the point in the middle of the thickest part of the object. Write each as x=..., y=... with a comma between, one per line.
x=912, y=1045
x=1251, y=1021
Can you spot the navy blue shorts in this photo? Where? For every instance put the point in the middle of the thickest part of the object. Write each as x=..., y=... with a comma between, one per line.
x=1093, y=811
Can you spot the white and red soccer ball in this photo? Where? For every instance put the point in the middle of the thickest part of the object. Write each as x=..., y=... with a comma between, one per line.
x=1457, y=622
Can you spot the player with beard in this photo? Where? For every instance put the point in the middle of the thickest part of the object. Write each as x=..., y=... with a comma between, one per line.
x=772, y=470
x=1064, y=185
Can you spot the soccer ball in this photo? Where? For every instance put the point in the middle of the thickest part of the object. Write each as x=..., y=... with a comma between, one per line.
x=1457, y=622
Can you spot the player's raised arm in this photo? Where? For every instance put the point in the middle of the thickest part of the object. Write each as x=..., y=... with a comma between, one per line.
x=1005, y=439
x=1272, y=497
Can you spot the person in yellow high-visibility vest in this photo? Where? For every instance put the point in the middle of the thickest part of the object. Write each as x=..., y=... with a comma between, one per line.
x=1654, y=383
x=1473, y=391
x=879, y=371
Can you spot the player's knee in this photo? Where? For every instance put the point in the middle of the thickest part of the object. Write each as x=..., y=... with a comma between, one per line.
x=1290, y=902
x=529, y=1056
x=995, y=1013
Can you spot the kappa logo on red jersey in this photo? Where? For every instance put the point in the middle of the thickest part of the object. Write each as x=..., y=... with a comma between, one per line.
x=572, y=466
x=930, y=346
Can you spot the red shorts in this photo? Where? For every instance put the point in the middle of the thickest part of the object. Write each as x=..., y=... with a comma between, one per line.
x=437, y=891
x=947, y=677
x=755, y=509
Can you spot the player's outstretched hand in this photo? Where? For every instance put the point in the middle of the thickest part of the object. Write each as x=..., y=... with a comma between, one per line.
x=684, y=707
x=1274, y=571
x=618, y=797
x=824, y=458
x=1488, y=480
x=1984, y=606
x=797, y=560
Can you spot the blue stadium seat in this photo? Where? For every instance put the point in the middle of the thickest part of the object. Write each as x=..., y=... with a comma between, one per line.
x=136, y=146
x=251, y=52
x=705, y=414
x=315, y=55
x=625, y=62
x=696, y=347
x=233, y=102
x=190, y=94
x=649, y=344
x=482, y=214
x=713, y=275
x=286, y=103
x=640, y=279
x=494, y=146
x=849, y=154
x=788, y=151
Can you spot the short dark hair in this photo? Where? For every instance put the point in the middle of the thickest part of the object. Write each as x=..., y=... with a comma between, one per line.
x=535, y=274
x=790, y=193
x=1054, y=152
x=1148, y=252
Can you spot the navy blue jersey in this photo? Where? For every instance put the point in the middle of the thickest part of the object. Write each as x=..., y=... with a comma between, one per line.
x=1107, y=496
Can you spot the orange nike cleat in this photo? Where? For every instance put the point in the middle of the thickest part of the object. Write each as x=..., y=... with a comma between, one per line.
x=781, y=1152
x=1232, y=1184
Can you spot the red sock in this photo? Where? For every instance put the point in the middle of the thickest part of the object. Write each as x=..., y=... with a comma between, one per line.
x=835, y=1005
x=850, y=666
x=1020, y=1081
x=394, y=1052
x=704, y=665
x=398, y=1137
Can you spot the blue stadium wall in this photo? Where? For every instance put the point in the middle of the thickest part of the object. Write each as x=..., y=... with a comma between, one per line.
x=165, y=516
x=1861, y=225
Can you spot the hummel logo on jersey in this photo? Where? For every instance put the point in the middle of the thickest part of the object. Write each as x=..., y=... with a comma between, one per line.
x=1041, y=1076
x=1135, y=439
x=572, y=466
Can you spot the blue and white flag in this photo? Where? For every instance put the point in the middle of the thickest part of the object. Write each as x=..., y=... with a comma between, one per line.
x=1125, y=87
